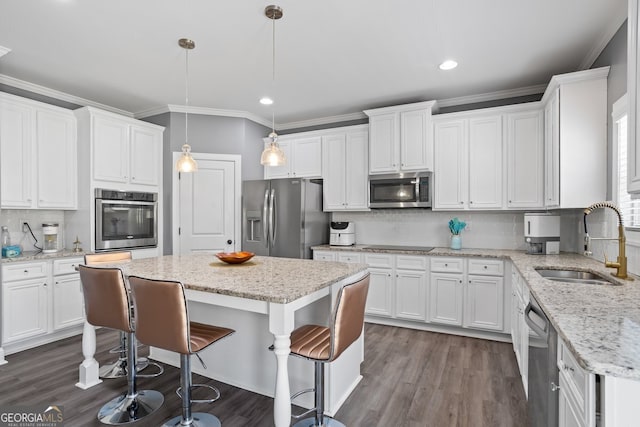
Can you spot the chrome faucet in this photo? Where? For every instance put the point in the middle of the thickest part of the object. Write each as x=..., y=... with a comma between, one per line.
x=621, y=263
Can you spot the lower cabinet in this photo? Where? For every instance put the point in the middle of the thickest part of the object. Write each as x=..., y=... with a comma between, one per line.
x=458, y=292
x=577, y=397
x=41, y=301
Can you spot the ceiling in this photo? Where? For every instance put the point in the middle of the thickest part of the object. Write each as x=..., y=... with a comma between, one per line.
x=333, y=58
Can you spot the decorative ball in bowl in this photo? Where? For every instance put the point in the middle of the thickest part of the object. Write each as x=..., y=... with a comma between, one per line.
x=235, y=257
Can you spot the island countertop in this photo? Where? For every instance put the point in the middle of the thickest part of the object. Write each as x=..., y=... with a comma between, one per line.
x=270, y=279
x=599, y=323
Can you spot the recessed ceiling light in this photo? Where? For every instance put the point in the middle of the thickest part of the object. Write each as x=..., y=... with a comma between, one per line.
x=266, y=101
x=449, y=64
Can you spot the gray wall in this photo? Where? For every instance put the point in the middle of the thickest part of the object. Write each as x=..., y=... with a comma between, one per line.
x=615, y=56
x=207, y=134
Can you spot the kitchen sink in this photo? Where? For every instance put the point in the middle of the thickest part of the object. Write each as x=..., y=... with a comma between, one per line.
x=574, y=276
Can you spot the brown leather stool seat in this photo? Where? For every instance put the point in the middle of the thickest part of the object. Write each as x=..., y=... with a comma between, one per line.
x=162, y=321
x=324, y=344
x=117, y=369
x=107, y=304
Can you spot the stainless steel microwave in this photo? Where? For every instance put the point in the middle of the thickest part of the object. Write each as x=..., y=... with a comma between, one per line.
x=125, y=219
x=402, y=190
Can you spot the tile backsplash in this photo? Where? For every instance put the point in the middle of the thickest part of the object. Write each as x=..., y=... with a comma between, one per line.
x=12, y=218
x=491, y=230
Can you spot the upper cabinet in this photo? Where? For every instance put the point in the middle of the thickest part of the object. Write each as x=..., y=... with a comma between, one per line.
x=38, y=155
x=575, y=139
x=401, y=138
x=468, y=162
x=525, y=162
x=304, y=158
x=344, y=169
x=123, y=150
x=633, y=91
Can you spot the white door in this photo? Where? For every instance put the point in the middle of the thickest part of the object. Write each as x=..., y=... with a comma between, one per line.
x=485, y=163
x=411, y=302
x=379, y=299
x=525, y=169
x=484, y=303
x=206, y=205
x=333, y=172
x=450, y=191
x=445, y=299
x=416, y=145
x=357, y=172
x=383, y=143
x=24, y=309
x=68, y=301
x=16, y=154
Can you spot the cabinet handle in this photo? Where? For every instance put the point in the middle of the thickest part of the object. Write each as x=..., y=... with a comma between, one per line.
x=568, y=368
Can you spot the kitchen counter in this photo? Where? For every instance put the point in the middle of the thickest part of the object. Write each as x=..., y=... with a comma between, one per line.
x=37, y=256
x=599, y=323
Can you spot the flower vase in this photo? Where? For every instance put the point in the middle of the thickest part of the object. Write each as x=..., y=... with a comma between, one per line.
x=456, y=242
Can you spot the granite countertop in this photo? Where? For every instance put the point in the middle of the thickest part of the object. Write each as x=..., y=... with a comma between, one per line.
x=599, y=323
x=278, y=280
x=39, y=256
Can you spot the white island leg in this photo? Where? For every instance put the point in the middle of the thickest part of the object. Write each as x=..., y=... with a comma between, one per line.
x=89, y=367
x=2, y=359
x=280, y=325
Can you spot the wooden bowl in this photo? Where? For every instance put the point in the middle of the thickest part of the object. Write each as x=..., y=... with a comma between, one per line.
x=235, y=257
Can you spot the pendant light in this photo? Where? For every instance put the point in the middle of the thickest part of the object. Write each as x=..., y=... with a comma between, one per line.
x=272, y=154
x=186, y=163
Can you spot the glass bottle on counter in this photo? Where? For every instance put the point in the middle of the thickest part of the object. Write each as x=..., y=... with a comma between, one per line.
x=6, y=238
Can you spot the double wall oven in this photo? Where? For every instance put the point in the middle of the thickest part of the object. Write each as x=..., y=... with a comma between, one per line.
x=125, y=219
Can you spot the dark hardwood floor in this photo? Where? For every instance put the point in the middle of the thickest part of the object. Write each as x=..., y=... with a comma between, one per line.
x=411, y=379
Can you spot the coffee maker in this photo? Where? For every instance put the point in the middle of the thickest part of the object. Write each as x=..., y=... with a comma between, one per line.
x=542, y=233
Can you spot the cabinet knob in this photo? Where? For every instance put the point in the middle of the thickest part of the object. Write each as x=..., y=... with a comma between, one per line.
x=460, y=280
x=461, y=202
x=509, y=201
x=45, y=285
x=133, y=178
x=554, y=386
x=485, y=267
x=470, y=202
x=446, y=265
x=26, y=272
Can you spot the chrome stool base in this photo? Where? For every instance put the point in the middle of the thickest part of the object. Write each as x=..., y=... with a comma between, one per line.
x=200, y=419
x=127, y=409
x=326, y=422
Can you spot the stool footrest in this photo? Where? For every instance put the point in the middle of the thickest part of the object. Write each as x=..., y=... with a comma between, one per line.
x=215, y=390
x=155, y=374
x=298, y=394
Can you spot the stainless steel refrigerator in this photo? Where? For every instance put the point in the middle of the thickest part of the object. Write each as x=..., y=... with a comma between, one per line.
x=283, y=217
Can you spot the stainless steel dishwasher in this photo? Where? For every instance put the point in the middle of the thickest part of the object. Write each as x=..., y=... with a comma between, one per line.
x=542, y=404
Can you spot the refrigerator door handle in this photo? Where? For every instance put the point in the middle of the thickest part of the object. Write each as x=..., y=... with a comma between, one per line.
x=272, y=214
x=265, y=226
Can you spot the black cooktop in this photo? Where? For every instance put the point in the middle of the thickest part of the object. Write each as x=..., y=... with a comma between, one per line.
x=400, y=248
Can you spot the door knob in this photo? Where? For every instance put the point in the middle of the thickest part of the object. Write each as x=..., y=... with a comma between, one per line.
x=229, y=242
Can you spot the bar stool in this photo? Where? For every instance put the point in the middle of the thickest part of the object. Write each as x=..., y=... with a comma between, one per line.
x=323, y=345
x=107, y=304
x=116, y=369
x=162, y=321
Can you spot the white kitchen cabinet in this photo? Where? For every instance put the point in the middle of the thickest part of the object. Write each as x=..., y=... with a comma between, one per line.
x=525, y=167
x=575, y=135
x=485, y=162
x=124, y=151
x=484, y=302
x=38, y=155
x=411, y=286
x=41, y=302
x=344, y=170
x=519, y=328
x=380, y=300
x=451, y=171
x=304, y=158
x=325, y=256
x=67, y=298
x=633, y=91
x=578, y=390
x=445, y=298
x=468, y=162
x=350, y=257
x=400, y=138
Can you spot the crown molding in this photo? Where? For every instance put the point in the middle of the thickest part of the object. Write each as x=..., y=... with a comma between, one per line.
x=605, y=38
x=205, y=111
x=492, y=96
x=62, y=96
x=4, y=51
x=321, y=121
x=578, y=76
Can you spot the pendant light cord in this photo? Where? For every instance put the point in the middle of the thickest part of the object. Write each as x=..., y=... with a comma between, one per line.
x=273, y=75
x=186, y=98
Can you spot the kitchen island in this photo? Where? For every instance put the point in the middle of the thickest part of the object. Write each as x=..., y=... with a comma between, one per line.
x=263, y=299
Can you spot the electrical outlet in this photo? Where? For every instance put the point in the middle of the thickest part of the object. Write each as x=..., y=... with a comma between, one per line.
x=23, y=226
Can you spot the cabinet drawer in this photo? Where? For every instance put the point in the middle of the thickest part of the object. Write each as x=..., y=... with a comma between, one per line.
x=580, y=384
x=486, y=267
x=66, y=266
x=349, y=257
x=324, y=256
x=379, y=260
x=447, y=265
x=30, y=270
x=411, y=262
